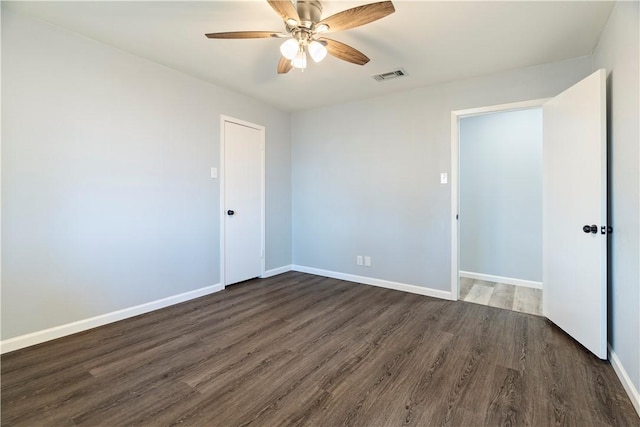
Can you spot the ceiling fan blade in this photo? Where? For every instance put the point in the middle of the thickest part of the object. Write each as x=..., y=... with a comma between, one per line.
x=344, y=52
x=285, y=9
x=358, y=16
x=243, y=35
x=284, y=66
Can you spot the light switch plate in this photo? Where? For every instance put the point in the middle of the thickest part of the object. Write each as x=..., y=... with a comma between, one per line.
x=443, y=178
x=214, y=173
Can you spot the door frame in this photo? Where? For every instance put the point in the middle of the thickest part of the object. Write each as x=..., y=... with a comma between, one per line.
x=223, y=216
x=455, y=175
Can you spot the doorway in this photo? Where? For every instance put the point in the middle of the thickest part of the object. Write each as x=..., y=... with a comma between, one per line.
x=499, y=183
x=242, y=198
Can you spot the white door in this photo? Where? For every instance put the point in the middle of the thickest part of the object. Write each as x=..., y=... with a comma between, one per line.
x=243, y=174
x=574, y=202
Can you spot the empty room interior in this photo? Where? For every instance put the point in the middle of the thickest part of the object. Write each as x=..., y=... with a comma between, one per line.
x=320, y=213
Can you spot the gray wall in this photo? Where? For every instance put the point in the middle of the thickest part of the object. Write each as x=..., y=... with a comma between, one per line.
x=617, y=51
x=501, y=194
x=106, y=191
x=366, y=181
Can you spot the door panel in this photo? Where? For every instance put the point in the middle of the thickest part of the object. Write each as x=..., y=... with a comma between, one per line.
x=575, y=195
x=242, y=213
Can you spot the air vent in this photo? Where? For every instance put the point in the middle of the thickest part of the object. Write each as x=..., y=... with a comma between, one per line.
x=390, y=75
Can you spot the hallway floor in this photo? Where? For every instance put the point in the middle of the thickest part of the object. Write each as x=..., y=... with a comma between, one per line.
x=500, y=295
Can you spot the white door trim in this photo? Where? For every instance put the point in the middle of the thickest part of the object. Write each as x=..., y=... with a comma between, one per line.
x=223, y=215
x=455, y=164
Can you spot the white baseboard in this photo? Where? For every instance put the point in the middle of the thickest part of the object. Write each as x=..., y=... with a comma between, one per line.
x=631, y=390
x=38, y=337
x=276, y=271
x=436, y=293
x=500, y=279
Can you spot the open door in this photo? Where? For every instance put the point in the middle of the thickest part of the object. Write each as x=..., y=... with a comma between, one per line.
x=575, y=212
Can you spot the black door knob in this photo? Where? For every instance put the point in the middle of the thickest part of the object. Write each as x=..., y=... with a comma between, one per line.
x=590, y=229
x=230, y=212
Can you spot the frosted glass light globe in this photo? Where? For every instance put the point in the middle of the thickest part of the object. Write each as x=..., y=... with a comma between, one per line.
x=289, y=48
x=300, y=61
x=317, y=51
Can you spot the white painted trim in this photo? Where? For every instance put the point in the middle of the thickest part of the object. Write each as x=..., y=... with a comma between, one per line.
x=436, y=293
x=631, y=390
x=223, y=215
x=511, y=106
x=455, y=201
x=455, y=174
x=221, y=176
x=38, y=337
x=276, y=271
x=500, y=279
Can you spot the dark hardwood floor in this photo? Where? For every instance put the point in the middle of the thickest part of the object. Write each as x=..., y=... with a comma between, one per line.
x=298, y=349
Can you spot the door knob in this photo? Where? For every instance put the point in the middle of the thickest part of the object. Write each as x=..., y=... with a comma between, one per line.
x=590, y=229
x=230, y=212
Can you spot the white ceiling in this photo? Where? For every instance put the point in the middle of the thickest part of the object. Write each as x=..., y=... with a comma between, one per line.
x=434, y=41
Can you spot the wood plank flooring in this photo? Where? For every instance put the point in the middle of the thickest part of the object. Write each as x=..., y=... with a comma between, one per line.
x=298, y=349
x=500, y=295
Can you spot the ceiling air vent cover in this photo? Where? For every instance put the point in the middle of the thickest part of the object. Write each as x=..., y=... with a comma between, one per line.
x=390, y=75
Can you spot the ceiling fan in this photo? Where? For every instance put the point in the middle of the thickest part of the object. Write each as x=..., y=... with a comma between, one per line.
x=303, y=27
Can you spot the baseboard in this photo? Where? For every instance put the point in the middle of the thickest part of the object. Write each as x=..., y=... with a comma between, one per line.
x=276, y=271
x=500, y=279
x=375, y=282
x=628, y=385
x=38, y=337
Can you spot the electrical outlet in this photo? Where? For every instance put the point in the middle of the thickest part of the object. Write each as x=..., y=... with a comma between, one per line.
x=367, y=261
x=359, y=260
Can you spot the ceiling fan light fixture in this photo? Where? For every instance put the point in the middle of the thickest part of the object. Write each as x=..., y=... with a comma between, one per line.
x=317, y=51
x=290, y=48
x=300, y=60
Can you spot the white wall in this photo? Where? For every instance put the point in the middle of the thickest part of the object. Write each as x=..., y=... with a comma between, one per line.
x=617, y=51
x=366, y=174
x=501, y=194
x=106, y=191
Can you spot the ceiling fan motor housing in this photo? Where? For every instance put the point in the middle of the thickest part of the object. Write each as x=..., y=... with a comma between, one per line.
x=310, y=12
